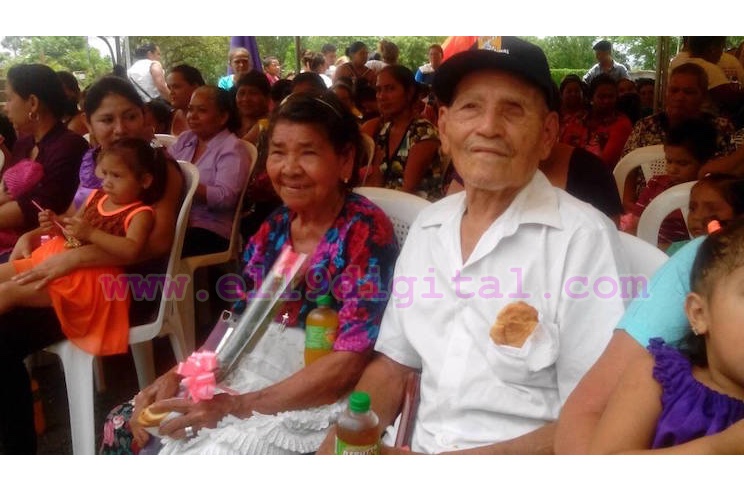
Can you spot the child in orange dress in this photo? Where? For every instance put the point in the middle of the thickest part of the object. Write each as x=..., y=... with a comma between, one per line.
x=115, y=218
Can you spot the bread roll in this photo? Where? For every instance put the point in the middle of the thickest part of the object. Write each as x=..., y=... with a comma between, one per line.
x=514, y=324
x=149, y=419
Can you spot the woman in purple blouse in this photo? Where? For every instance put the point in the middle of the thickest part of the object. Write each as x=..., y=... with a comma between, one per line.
x=223, y=164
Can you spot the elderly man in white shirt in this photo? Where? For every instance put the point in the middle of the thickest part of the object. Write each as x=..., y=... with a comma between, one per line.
x=509, y=237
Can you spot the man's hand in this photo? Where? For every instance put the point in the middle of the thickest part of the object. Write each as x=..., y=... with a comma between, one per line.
x=392, y=450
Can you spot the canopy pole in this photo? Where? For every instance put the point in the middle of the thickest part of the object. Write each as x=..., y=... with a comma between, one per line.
x=662, y=72
x=298, y=55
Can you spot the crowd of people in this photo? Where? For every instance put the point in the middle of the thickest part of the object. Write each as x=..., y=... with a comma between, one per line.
x=478, y=299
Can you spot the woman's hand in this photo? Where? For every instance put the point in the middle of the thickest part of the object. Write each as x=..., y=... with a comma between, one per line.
x=55, y=266
x=23, y=247
x=165, y=386
x=195, y=415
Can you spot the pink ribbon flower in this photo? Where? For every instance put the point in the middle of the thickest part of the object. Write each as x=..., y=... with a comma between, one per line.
x=198, y=375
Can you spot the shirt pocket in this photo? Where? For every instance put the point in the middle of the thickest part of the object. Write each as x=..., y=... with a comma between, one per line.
x=530, y=365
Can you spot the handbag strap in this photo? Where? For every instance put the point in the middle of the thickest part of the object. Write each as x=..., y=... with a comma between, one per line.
x=141, y=88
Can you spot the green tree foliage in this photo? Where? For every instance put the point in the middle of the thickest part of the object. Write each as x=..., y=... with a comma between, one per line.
x=413, y=49
x=281, y=47
x=641, y=51
x=567, y=51
x=14, y=44
x=69, y=53
x=565, y=54
x=206, y=53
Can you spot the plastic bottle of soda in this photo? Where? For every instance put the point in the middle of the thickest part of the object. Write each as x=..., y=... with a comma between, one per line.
x=321, y=327
x=358, y=429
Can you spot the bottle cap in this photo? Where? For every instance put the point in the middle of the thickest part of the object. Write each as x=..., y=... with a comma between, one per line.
x=325, y=300
x=359, y=402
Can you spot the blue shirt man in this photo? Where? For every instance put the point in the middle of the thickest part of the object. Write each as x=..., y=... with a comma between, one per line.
x=605, y=64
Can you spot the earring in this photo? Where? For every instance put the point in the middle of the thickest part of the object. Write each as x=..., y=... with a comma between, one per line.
x=346, y=181
x=695, y=331
x=33, y=115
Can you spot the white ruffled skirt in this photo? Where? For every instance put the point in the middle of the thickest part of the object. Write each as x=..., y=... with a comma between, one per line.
x=276, y=356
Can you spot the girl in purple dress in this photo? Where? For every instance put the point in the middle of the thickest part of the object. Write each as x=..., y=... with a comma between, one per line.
x=689, y=398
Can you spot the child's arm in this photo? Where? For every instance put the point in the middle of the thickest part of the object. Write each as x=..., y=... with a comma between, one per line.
x=126, y=249
x=630, y=220
x=629, y=420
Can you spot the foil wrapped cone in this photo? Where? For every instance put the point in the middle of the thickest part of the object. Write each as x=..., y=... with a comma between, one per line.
x=243, y=332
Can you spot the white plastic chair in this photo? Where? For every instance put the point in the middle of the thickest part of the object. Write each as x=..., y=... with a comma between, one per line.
x=650, y=159
x=189, y=265
x=166, y=139
x=77, y=364
x=402, y=208
x=644, y=258
x=676, y=197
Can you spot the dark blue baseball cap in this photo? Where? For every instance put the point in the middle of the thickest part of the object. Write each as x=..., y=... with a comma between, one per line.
x=513, y=55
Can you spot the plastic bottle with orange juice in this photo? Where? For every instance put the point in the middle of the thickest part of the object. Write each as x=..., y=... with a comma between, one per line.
x=321, y=327
x=358, y=428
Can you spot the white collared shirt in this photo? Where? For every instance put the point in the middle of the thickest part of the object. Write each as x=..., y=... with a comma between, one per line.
x=473, y=391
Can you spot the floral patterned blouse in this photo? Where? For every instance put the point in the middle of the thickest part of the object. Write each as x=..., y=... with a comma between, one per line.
x=652, y=130
x=605, y=139
x=354, y=261
x=393, y=166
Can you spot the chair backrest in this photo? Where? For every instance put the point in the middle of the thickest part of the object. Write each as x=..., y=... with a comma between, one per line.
x=235, y=239
x=191, y=181
x=650, y=159
x=676, y=197
x=644, y=258
x=402, y=208
x=252, y=154
x=369, y=150
x=166, y=139
x=369, y=147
